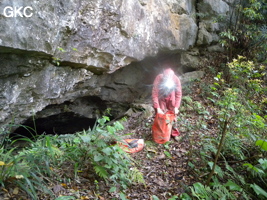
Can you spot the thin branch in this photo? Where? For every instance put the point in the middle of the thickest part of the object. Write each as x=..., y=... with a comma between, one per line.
x=218, y=151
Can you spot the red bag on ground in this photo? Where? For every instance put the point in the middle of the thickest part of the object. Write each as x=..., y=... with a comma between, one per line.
x=162, y=127
x=126, y=145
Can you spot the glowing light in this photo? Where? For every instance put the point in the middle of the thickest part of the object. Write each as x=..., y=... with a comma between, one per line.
x=169, y=83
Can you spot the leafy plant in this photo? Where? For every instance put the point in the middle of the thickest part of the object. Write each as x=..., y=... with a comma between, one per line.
x=236, y=97
x=217, y=191
x=58, y=60
x=43, y=157
x=99, y=148
x=154, y=197
x=260, y=171
x=173, y=197
x=27, y=169
x=245, y=29
x=9, y=167
x=109, y=160
x=137, y=176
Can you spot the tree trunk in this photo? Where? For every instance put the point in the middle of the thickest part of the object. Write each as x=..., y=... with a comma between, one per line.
x=218, y=151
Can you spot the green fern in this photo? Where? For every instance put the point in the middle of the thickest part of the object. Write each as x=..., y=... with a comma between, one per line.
x=234, y=146
x=136, y=176
x=101, y=171
x=218, y=169
x=216, y=191
x=110, y=162
x=230, y=172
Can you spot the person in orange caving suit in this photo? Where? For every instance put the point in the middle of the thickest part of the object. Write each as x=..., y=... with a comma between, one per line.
x=167, y=94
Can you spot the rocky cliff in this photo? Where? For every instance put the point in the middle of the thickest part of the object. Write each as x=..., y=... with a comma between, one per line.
x=80, y=57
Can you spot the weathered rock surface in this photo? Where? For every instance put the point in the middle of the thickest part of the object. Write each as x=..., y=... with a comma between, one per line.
x=208, y=10
x=67, y=56
x=106, y=34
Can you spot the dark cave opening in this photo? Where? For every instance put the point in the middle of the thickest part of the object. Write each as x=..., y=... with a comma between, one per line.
x=80, y=114
x=62, y=123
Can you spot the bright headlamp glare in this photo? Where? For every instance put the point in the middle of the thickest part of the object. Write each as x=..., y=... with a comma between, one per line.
x=169, y=84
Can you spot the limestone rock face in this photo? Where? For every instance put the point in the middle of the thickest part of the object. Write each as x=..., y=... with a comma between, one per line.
x=107, y=34
x=208, y=10
x=217, y=7
x=83, y=56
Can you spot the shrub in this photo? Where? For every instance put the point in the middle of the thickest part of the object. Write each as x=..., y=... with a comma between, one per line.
x=47, y=156
x=237, y=104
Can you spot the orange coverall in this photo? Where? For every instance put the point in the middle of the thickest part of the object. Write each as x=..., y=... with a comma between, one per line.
x=171, y=100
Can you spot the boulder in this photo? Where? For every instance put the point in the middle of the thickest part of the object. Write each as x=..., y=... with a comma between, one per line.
x=191, y=76
x=212, y=8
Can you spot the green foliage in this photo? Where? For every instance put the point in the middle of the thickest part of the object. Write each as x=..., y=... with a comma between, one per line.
x=173, y=197
x=98, y=148
x=262, y=144
x=136, y=176
x=217, y=191
x=259, y=191
x=61, y=49
x=185, y=196
x=245, y=29
x=196, y=106
x=168, y=154
x=108, y=160
x=234, y=146
x=237, y=98
x=233, y=186
x=27, y=169
x=154, y=197
x=228, y=37
x=10, y=166
x=41, y=159
x=247, y=76
x=218, y=169
x=57, y=60
x=259, y=171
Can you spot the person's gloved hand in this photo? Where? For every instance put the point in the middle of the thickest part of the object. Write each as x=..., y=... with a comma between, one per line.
x=176, y=111
x=159, y=111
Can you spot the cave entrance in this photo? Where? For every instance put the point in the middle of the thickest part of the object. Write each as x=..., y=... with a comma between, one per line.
x=62, y=123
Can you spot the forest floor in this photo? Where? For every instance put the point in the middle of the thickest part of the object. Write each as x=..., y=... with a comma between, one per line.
x=165, y=167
